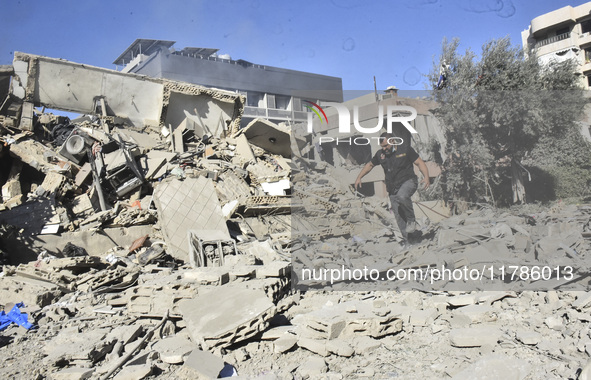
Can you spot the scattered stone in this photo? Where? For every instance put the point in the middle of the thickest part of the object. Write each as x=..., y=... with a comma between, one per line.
x=528, y=337
x=364, y=345
x=134, y=372
x=340, y=347
x=284, y=343
x=423, y=317
x=495, y=366
x=72, y=373
x=315, y=345
x=201, y=364
x=312, y=367
x=474, y=337
x=173, y=349
x=554, y=323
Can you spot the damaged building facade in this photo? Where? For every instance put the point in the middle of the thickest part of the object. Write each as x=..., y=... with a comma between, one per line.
x=269, y=91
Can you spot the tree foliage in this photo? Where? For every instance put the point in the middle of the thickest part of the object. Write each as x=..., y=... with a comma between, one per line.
x=495, y=109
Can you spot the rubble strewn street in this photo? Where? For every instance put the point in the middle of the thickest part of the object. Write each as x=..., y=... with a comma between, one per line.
x=146, y=244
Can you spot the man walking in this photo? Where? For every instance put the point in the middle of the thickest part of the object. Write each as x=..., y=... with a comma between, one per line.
x=401, y=181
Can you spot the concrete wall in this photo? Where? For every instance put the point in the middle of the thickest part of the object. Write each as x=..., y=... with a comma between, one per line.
x=212, y=114
x=73, y=87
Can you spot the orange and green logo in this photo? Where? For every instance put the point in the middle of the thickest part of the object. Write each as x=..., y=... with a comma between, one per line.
x=311, y=108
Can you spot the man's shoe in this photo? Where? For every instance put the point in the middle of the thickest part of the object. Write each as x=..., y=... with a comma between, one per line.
x=411, y=227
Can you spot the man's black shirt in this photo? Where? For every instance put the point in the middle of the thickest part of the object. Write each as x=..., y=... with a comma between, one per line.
x=397, y=166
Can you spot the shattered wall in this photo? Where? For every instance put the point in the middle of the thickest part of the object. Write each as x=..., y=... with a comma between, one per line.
x=74, y=87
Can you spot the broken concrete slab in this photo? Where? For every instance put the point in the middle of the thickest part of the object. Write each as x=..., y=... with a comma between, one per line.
x=423, y=317
x=316, y=346
x=365, y=344
x=134, y=372
x=186, y=205
x=30, y=291
x=340, y=347
x=475, y=336
x=96, y=244
x=312, y=367
x=530, y=338
x=201, y=365
x=269, y=136
x=285, y=343
x=495, y=366
x=174, y=349
x=88, y=345
x=477, y=313
x=156, y=159
x=154, y=301
x=74, y=87
x=208, y=276
x=239, y=314
x=348, y=319
x=243, y=151
x=72, y=373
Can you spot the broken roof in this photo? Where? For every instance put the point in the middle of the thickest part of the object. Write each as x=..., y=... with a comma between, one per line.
x=141, y=46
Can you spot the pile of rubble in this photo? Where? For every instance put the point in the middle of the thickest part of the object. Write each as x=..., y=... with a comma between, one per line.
x=143, y=251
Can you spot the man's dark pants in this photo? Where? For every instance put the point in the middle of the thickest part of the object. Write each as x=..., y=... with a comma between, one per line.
x=402, y=204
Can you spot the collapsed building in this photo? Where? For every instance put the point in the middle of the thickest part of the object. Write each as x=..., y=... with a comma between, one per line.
x=153, y=237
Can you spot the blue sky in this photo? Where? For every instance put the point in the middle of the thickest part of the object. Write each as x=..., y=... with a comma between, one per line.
x=353, y=39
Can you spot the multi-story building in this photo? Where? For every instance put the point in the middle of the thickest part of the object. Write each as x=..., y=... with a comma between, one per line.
x=562, y=34
x=272, y=93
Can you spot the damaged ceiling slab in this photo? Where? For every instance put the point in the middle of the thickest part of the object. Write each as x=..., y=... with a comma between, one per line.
x=139, y=100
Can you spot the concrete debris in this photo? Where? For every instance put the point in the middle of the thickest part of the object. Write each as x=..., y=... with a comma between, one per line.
x=187, y=205
x=495, y=367
x=201, y=365
x=153, y=237
x=474, y=337
x=269, y=136
x=242, y=314
x=173, y=350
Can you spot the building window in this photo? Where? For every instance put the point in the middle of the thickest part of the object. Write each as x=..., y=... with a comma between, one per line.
x=282, y=102
x=271, y=101
x=586, y=26
x=254, y=99
x=589, y=80
x=297, y=104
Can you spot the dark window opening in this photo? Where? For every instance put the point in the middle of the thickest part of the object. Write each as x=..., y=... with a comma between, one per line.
x=562, y=31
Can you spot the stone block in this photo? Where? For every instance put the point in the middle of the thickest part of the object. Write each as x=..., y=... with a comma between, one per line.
x=72, y=373
x=172, y=350
x=530, y=338
x=423, y=317
x=474, y=337
x=312, y=368
x=201, y=365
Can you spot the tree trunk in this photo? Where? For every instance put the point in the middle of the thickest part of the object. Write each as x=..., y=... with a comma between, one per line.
x=517, y=183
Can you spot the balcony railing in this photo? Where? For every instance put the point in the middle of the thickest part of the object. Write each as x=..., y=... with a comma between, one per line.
x=553, y=39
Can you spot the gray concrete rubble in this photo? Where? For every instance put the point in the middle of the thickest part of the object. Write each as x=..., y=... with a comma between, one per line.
x=151, y=237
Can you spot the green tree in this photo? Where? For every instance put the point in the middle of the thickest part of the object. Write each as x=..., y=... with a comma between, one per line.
x=495, y=109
